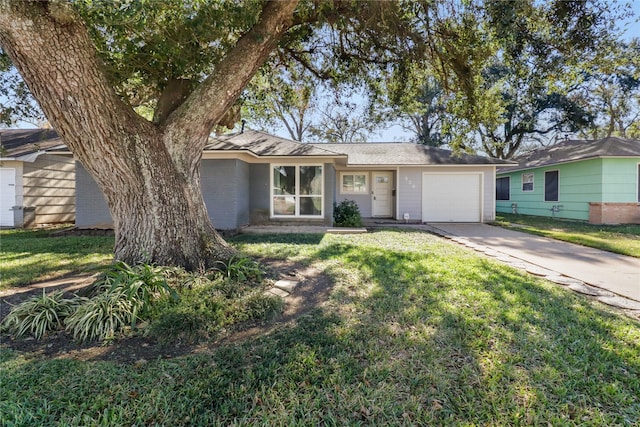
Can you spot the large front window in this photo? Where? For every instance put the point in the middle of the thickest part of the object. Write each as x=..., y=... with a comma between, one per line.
x=297, y=191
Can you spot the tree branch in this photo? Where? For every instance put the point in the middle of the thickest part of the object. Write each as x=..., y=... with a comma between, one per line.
x=208, y=103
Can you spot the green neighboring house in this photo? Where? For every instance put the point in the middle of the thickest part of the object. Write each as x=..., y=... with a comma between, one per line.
x=596, y=181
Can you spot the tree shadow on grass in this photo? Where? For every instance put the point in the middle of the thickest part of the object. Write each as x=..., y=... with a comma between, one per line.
x=410, y=337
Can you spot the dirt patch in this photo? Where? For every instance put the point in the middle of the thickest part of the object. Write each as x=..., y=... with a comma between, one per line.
x=312, y=291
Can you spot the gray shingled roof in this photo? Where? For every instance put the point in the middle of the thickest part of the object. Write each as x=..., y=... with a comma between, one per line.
x=263, y=144
x=20, y=142
x=574, y=150
x=402, y=153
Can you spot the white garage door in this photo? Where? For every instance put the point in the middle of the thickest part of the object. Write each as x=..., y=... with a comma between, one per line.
x=7, y=196
x=451, y=197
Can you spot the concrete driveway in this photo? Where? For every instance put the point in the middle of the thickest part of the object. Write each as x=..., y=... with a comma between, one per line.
x=615, y=273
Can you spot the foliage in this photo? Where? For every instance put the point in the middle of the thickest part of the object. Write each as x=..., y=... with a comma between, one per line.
x=240, y=268
x=611, y=92
x=103, y=316
x=347, y=214
x=39, y=315
x=213, y=303
x=288, y=99
x=417, y=331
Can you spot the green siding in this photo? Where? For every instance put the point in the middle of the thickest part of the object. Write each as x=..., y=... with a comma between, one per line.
x=595, y=180
x=579, y=184
x=620, y=180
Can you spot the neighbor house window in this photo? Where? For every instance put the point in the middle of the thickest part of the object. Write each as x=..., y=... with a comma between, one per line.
x=551, y=186
x=638, y=182
x=297, y=191
x=527, y=182
x=502, y=188
x=353, y=183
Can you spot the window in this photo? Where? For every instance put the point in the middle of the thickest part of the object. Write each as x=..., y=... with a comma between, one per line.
x=638, y=182
x=502, y=188
x=353, y=183
x=527, y=182
x=297, y=191
x=551, y=186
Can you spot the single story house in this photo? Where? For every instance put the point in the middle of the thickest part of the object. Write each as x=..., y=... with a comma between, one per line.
x=256, y=178
x=35, y=187
x=596, y=181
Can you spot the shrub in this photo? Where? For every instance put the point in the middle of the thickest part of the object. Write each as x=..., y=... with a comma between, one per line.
x=347, y=214
x=102, y=317
x=39, y=315
x=123, y=295
x=240, y=268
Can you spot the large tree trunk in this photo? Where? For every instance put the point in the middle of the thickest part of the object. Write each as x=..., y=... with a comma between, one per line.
x=148, y=172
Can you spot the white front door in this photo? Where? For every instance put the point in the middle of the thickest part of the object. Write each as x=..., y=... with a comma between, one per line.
x=7, y=196
x=382, y=193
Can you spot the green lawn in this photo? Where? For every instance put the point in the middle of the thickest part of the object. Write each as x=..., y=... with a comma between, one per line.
x=621, y=239
x=28, y=256
x=418, y=331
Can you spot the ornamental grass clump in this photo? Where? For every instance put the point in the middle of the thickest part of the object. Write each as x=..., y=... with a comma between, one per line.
x=39, y=315
x=120, y=298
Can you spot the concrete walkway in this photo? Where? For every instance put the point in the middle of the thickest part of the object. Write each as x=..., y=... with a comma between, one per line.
x=617, y=274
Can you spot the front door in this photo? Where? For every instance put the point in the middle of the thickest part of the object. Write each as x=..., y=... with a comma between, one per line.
x=7, y=196
x=382, y=202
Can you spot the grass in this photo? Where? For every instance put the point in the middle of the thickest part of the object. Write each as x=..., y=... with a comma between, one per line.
x=418, y=331
x=28, y=256
x=621, y=239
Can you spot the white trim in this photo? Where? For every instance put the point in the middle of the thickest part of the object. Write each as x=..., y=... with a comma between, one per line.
x=297, y=194
x=533, y=181
x=638, y=182
x=354, y=173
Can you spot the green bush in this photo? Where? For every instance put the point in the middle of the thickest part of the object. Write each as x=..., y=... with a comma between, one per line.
x=39, y=315
x=102, y=317
x=347, y=214
x=240, y=268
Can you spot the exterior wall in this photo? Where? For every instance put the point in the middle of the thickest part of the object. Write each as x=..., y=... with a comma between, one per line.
x=364, y=201
x=409, y=193
x=620, y=180
x=225, y=188
x=329, y=192
x=259, y=197
x=410, y=189
x=579, y=184
x=614, y=213
x=91, y=206
x=49, y=187
x=582, y=184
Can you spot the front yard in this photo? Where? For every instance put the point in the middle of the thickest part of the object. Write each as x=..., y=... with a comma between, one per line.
x=620, y=239
x=416, y=331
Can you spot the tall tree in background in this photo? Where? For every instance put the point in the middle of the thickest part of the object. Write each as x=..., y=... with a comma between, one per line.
x=288, y=99
x=521, y=92
x=611, y=92
x=89, y=63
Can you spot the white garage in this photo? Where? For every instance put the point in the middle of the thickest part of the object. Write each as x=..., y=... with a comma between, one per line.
x=7, y=196
x=452, y=197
